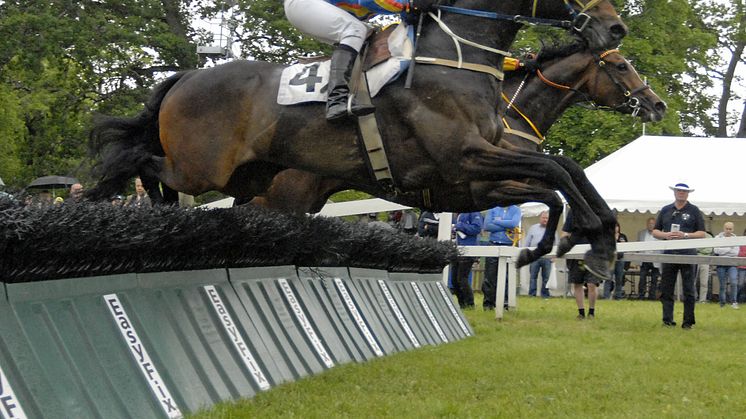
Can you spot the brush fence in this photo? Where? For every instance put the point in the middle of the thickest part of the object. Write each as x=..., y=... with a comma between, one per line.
x=160, y=345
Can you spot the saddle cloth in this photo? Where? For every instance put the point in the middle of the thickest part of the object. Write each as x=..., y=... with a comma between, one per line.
x=309, y=82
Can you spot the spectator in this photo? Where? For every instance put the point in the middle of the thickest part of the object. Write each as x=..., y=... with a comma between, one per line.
x=408, y=222
x=617, y=282
x=140, y=199
x=578, y=276
x=76, y=194
x=468, y=226
x=117, y=200
x=727, y=274
x=44, y=199
x=394, y=219
x=703, y=272
x=680, y=220
x=501, y=223
x=428, y=224
x=742, y=274
x=532, y=238
x=646, y=268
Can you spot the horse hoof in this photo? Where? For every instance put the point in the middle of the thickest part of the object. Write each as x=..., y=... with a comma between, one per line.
x=597, y=266
x=563, y=247
x=524, y=258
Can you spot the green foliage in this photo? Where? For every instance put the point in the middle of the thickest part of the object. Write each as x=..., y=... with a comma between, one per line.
x=538, y=362
x=11, y=131
x=265, y=34
x=62, y=61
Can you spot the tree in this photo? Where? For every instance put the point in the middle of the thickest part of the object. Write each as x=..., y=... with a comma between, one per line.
x=64, y=60
x=728, y=22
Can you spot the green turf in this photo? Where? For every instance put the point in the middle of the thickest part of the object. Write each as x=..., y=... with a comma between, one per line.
x=539, y=362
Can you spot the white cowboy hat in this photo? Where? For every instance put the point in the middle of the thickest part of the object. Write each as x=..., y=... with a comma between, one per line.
x=681, y=187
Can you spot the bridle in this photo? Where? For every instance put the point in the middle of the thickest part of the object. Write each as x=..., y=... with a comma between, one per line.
x=632, y=102
x=578, y=22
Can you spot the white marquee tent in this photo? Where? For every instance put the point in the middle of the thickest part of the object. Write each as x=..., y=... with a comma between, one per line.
x=636, y=177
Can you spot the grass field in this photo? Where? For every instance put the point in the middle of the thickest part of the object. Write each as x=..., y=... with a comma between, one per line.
x=539, y=362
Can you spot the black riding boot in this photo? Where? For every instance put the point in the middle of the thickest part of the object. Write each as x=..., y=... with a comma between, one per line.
x=343, y=59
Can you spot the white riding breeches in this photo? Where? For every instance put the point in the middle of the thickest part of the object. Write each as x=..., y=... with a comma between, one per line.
x=326, y=22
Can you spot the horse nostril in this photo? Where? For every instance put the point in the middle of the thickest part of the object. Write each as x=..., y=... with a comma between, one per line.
x=661, y=106
x=619, y=30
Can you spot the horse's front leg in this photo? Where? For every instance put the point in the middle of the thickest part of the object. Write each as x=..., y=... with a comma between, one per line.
x=515, y=192
x=502, y=164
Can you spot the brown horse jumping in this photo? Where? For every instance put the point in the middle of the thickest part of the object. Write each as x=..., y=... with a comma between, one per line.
x=558, y=78
x=221, y=128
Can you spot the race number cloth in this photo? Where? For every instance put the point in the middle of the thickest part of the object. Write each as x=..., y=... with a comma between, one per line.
x=302, y=83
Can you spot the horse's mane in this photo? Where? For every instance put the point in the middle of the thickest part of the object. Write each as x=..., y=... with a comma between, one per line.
x=559, y=50
x=531, y=62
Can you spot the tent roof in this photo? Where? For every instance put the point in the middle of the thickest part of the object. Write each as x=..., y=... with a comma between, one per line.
x=636, y=177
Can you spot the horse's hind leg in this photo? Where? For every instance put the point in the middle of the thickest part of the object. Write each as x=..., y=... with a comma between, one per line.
x=251, y=179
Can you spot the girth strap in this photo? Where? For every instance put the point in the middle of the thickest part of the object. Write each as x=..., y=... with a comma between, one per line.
x=498, y=74
x=522, y=134
x=371, y=136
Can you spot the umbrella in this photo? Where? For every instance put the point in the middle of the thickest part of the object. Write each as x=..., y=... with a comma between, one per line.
x=52, y=182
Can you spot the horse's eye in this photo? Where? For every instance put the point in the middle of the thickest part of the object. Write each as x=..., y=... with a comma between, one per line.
x=621, y=66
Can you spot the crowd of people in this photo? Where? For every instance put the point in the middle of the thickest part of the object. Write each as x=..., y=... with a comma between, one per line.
x=680, y=220
x=75, y=194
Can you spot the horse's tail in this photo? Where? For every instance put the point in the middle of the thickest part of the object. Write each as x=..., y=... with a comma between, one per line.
x=124, y=147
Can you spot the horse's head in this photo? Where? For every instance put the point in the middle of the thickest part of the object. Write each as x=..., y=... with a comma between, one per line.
x=605, y=79
x=617, y=85
x=610, y=81
x=596, y=21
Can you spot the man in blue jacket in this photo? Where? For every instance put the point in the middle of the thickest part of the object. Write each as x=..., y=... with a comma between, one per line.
x=468, y=226
x=501, y=223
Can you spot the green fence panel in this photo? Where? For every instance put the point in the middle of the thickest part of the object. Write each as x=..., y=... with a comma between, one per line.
x=78, y=348
x=198, y=336
x=390, y=327
x=449, y=316
x=328, y=286
x=267, y=295
x=407, y=288
x=25, y=391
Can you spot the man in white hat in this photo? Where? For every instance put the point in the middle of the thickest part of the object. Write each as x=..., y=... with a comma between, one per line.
x=680, y=220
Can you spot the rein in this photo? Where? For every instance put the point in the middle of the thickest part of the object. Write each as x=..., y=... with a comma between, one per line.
x=578, y=23
x=631, y=102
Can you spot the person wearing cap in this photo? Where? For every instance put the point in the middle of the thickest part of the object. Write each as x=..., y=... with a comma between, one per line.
x=680, y=220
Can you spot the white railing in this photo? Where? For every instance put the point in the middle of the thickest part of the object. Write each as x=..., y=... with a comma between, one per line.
x=507, y=257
